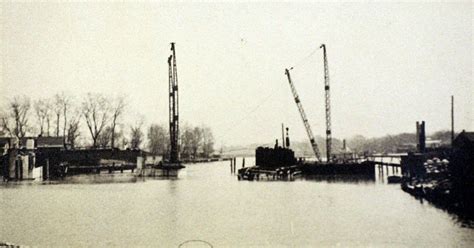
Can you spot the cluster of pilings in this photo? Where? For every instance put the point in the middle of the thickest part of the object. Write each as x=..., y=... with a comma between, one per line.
x=233, y=164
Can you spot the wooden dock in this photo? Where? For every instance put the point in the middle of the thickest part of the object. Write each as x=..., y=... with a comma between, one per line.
x=258, y=173
x=110, y=168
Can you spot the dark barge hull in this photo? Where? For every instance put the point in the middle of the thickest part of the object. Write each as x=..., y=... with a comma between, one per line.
x=363, y=168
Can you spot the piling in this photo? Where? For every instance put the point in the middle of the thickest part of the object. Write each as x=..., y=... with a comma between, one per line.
x=235, y=164
x=243, y=162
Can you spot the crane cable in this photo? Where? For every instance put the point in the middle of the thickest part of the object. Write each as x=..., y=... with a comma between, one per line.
x=247, y=115
x=299, y=62
x=261, y=103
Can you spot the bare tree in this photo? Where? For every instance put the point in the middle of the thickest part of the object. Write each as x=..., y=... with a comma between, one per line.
x=95, y=111
x=196, y=141
x=117, y=110
x=136, y=134
x=48, y=106
x=158, y=140
x=57, y=108
x=73, y=126
x=207, y=141
x=42, y=111
x=186, y=141
x=104, y=138
x=15, y=121
x=66, y=102
x=73, y=132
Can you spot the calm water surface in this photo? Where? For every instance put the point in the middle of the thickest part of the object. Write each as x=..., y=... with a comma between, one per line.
x=207, y=203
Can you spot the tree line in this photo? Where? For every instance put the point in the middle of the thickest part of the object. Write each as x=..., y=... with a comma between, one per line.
x=360, y=144
x=394, y=143
x=195, y=141
x=98, y=117
x=62, y=115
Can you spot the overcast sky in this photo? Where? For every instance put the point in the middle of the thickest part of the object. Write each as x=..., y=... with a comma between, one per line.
x=390, y=64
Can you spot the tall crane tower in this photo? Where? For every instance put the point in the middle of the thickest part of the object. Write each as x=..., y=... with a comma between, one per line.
x=303, y=117
x=174, y=110
x=328, y=105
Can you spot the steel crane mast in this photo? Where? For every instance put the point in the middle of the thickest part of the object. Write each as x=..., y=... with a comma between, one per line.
x=303, y=117
x=173, y=104
x=328, y=105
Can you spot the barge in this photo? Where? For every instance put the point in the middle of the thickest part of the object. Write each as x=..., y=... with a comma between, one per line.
x=280, y=163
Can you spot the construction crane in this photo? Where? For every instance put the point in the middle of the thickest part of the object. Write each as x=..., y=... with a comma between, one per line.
x=303, y=117
x=173, y=110
x=328, y=105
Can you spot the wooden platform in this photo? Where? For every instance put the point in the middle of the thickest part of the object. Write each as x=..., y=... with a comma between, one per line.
x=260, y=173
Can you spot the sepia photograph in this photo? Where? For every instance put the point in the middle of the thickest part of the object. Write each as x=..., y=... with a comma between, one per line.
x=236, y=123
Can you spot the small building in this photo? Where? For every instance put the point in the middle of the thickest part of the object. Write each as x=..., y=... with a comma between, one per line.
x=430, y=143
x=412, y=165
x=16, y=162
x=464, y=141
x=462, y=160
x=19, y=157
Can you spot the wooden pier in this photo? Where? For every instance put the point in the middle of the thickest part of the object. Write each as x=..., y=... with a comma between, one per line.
x=110, y=168
x=383, y=160
x=258, y=173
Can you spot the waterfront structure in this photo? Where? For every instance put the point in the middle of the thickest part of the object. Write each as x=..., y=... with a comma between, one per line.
x=464, y=141
x=462, y=166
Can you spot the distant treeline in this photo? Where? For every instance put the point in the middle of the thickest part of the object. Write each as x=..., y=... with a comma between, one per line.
x=357, y=144
x=393, y=143
x=195, y=141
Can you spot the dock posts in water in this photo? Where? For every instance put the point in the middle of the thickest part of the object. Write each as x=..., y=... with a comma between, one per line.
x=243, y=162
x=233, y=165
x=381, y=170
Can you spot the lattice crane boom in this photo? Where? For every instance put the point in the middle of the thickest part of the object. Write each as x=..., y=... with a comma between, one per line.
x=174, y=109
x=303, y=117
x=328, y=105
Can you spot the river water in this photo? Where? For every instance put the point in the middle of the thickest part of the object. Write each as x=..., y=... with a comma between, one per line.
x=208, y=203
